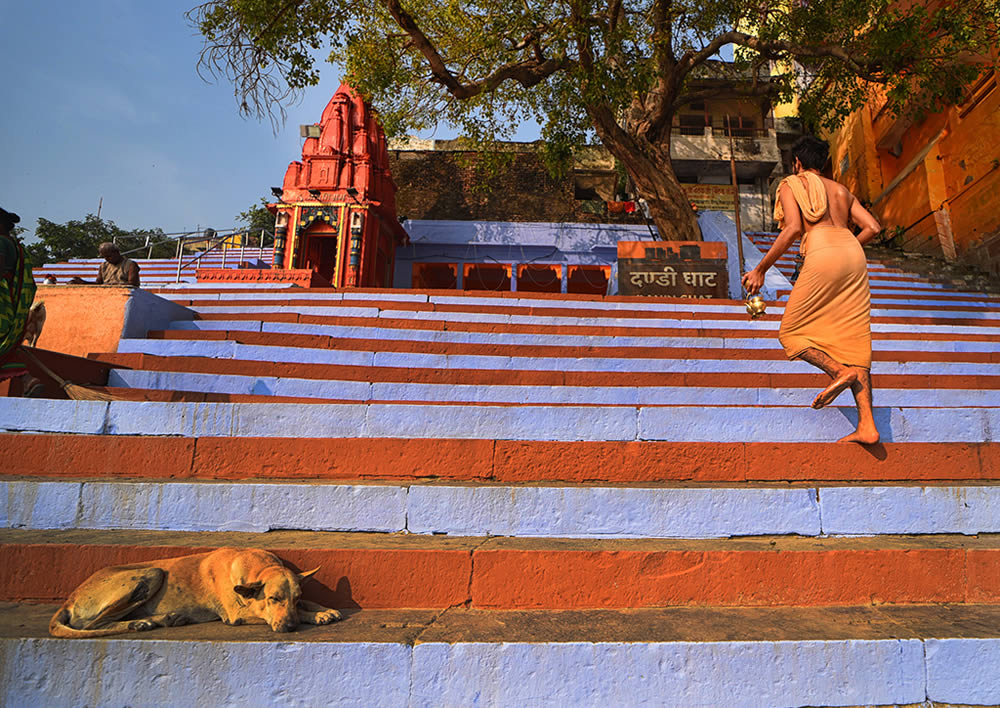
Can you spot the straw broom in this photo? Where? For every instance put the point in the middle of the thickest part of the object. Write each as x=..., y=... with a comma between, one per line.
x=74, y=391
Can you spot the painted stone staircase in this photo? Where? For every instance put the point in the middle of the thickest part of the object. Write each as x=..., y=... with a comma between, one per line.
x=160, y=272
x=517, y=499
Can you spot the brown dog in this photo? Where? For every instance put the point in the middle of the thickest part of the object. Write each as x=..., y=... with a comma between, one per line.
x=33, y=325
x=238, y=586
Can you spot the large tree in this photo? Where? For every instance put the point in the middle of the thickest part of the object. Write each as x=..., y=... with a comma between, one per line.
x=616, y=69
x=80, y=239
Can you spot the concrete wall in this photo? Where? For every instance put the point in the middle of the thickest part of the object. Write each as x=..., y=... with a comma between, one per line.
x=718, y=226
x=81, y=319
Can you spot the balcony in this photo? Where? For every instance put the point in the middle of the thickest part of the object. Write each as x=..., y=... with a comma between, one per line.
x=754, y=145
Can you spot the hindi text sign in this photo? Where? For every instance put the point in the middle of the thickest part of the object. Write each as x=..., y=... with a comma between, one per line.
x=688, y=269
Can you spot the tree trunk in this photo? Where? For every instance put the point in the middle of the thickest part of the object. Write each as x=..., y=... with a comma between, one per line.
x=669, y=206
x=652, y=173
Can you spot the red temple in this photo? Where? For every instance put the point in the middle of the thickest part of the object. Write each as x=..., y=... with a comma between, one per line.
x=337, y=215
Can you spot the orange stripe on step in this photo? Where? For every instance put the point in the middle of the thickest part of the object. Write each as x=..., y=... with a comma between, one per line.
x=504, y=574
x=523, y=579
x=504, y=461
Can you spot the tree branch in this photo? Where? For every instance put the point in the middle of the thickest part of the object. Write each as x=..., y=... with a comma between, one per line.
x=528, y=73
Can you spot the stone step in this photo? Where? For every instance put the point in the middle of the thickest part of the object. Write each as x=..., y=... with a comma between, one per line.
x=679, y=511
x=511, y=462
x=184, y=386
x=438, y=572
x=492, y=422
x=316, y=337
x=725, y=339
x=370, y=374
x=739, y=657
x=752, y=361
x=529, y=313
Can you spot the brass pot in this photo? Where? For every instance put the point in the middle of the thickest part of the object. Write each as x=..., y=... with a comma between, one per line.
x=756, y=306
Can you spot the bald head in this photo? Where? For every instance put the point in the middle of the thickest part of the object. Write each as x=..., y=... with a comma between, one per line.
x=109, y=252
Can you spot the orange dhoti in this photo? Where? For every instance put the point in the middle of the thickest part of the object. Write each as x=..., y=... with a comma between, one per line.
x=830, y=306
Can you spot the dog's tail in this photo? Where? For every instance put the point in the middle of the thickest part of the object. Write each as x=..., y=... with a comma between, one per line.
x=58, y=627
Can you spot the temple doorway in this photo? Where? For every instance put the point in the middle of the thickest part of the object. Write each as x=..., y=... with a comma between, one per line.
x=321, y=256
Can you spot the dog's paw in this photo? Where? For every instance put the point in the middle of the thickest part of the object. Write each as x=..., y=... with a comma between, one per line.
x=141, y=625
x=327, y=616
x=176, y=619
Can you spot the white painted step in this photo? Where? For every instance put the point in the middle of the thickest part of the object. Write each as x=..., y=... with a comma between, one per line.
x=361, y=391
x=523, y=422
x=234, y=350
x=565, y=511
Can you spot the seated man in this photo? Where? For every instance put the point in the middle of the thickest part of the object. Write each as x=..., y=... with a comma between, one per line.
x=116, y=269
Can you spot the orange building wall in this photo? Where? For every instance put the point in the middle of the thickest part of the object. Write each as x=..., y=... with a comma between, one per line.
x=938, y=179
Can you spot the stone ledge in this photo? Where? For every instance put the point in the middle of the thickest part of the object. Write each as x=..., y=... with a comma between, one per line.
x=728, y=656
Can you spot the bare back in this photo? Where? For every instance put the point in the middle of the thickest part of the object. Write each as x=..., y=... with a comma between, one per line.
x=842, y=209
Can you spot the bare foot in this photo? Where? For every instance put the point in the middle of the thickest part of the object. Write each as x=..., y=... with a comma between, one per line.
x=865, y=435
x=828, y=394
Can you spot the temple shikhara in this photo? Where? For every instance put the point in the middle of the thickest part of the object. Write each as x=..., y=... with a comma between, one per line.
x=337, y=214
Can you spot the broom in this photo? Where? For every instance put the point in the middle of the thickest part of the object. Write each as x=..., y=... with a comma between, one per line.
x=74, y=391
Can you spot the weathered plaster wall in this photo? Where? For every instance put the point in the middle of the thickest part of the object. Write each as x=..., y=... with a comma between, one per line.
x=81, y=319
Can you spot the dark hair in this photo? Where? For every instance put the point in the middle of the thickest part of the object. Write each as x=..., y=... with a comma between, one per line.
x=8, y=219
x=812, y=152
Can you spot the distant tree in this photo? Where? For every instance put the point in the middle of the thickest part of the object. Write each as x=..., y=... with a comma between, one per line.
x=619, y=70
x=256, y=219
x=80, y=239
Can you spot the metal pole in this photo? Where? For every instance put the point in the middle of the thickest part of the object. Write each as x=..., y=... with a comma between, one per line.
x=180, y=253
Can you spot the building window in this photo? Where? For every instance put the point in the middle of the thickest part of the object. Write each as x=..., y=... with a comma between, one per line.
x=980, y=89
x=741, y=127
x=486, y=276
x=588, y=279
x=693, y=124
x=435, y=276
x=539, y=278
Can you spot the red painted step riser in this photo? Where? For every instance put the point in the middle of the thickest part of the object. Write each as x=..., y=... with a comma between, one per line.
x=374, y=374
x=504, y=578
x=403, y=460
x=317, y=341
x=638, y=311
x=591, y=314
x=504, y=328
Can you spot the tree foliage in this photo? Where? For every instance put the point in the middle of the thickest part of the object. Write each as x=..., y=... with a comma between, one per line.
x=256, y=219
x=617, y=70
x=80, y=239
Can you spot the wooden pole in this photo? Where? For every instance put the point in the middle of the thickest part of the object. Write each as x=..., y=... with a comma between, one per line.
x=736, y=194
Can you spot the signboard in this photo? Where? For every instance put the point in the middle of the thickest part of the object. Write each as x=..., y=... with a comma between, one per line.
x=710, y=197
x=689, y=269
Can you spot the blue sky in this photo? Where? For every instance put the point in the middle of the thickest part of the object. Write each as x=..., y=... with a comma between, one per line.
x=103, y=100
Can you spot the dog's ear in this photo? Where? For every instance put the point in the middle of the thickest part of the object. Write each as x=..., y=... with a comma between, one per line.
x=248, y=591
x=303, y=576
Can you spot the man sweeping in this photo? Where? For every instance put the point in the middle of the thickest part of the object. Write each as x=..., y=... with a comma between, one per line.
x=17, y=292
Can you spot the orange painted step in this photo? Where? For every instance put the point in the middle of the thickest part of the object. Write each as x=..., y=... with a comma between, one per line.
x=62, y=456
x=406, y=571
x=319, y=341
x=602, y=330
x=596, y=314
x=337, y=372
